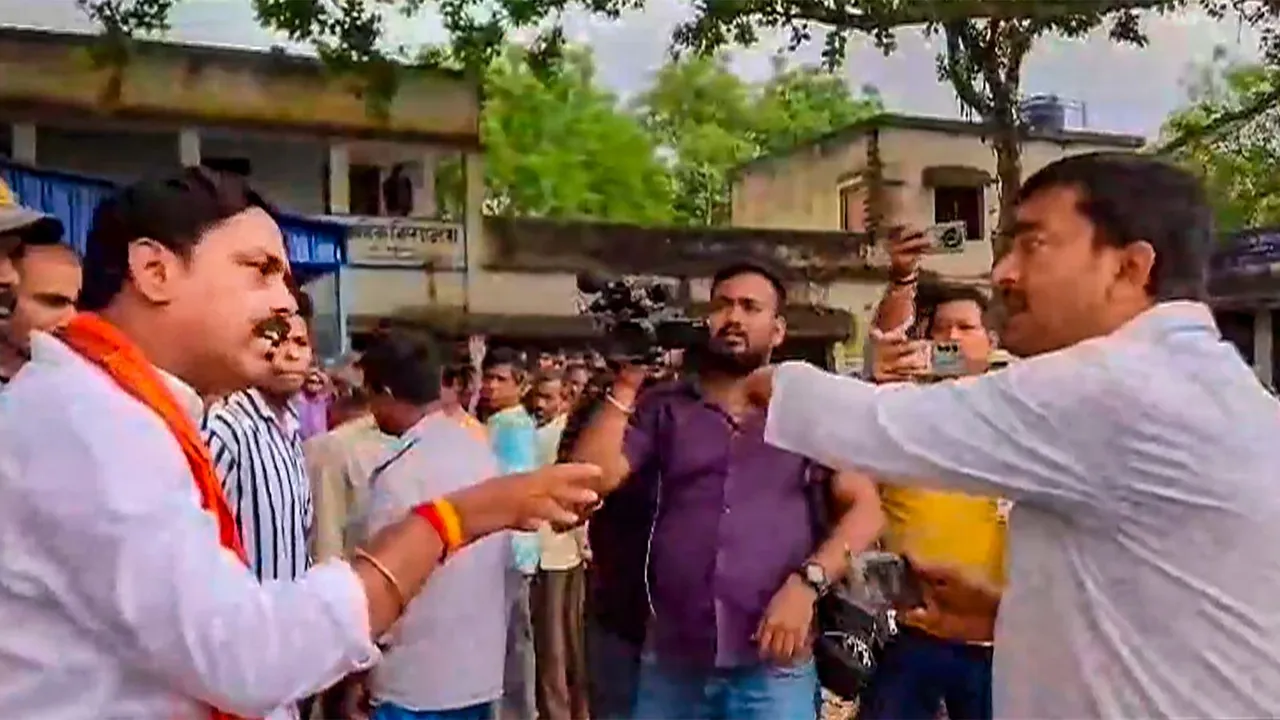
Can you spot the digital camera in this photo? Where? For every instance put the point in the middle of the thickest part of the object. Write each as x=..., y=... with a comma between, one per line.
x=947, y=237
x=637, y=319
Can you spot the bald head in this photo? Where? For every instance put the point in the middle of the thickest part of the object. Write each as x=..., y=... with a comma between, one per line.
x=49, y=279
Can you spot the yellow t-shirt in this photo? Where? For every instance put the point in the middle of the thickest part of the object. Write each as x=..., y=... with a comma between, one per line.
x=944, y=528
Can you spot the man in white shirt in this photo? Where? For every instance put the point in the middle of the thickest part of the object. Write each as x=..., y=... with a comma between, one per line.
x=557, y=597
x=444, y=659
x=1138, y=448
x=123, y=588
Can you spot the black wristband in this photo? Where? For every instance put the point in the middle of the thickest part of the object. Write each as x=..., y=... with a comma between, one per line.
x=906, y=280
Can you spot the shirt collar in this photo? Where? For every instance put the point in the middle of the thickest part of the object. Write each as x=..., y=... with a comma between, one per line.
x=254, y=399
x=1165, y=318
x=49, y=350
x=188, y=399
x=510, y=413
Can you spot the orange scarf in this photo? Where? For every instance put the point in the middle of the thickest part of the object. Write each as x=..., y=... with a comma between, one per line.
x=105, y=346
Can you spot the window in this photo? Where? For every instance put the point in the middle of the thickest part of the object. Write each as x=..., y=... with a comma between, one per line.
x=365, y=183
x=952, y=204
x=853, y=208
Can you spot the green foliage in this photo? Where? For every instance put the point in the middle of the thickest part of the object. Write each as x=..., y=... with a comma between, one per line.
x=985, y=45
x=1240, y=167
x=707, y=121
x=559, y=146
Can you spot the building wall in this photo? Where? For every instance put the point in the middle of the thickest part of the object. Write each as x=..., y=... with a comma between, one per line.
x=290, y=171
x=801, y=191
x=118, y=156
x=222, y=86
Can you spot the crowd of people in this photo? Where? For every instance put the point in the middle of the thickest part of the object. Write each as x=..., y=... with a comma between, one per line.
x=198, y=519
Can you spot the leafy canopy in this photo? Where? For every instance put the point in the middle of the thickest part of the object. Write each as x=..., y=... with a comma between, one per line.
x=557, y=145
x=1241, y=168
x=707, y=121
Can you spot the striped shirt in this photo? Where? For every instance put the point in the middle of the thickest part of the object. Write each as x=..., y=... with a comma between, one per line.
x=259, y=457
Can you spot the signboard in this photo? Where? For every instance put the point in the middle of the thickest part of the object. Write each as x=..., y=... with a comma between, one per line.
x=404, y=242
x=1248, y=252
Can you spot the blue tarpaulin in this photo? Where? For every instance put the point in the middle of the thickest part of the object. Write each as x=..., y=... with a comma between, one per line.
x=69, y=198
x=315, y=247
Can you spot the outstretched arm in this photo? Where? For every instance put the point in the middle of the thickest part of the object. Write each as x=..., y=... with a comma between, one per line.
x=1037, y=431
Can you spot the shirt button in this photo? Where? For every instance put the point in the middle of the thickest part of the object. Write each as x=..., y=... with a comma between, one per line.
x=726, y=509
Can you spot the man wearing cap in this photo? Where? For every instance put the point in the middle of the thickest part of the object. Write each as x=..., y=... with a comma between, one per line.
x=19, y=227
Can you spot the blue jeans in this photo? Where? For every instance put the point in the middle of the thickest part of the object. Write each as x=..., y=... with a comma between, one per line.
x=752, y=692
x=613, y=669
x=389, y=711
x=918, y=673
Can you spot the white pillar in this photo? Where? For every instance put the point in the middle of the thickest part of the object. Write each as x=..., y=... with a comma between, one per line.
x=339, y=180
x=189, y=147
x=340, y=204
x=424, y=187
x=24, y=142
x=1262, y=345
x=473, y=223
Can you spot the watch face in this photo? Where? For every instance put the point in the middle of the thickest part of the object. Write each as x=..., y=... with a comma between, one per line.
x=815, y=575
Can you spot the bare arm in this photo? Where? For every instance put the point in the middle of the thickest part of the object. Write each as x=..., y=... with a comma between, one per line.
x=897, y=307
x=612, y=437
x=860, y=524
x=410, y=549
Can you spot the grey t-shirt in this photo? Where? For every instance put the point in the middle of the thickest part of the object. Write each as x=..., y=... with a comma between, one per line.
x=447, y=650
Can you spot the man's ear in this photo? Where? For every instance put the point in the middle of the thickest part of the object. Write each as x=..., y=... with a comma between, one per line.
x=779, y=330
x=154, y=270
x=1137, y=263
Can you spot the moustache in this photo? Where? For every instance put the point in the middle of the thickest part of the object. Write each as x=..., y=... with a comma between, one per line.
x=1013, y=302
x=274, y=330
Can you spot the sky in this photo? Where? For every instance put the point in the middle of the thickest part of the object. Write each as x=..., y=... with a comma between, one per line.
x=1118, y=89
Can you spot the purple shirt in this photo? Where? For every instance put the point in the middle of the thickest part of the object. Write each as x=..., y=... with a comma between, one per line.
x=732, y=523
x=313, y=414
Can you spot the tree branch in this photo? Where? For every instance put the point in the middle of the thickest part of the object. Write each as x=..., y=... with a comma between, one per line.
x=1223, y=122
x=921, y=12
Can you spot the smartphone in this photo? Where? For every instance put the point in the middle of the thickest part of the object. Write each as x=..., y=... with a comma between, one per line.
x=947, y=237
x=889, y=580
x=945, y=360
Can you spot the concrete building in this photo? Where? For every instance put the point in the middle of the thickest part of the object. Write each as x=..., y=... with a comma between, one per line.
x=1244, y=286
x=935, y=170
x=305, y=138
x=525, y=290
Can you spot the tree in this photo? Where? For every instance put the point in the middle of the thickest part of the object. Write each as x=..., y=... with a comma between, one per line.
x=708, y=121
x=1251, y=100
x=1241, y=169
x=986, y=40
x=559, y=146
x=985, y=46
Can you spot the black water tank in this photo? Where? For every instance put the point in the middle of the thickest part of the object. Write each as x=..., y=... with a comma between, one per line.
x=1046, y=113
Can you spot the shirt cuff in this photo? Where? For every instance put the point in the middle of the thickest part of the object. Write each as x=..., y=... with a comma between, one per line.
x=897, y=333
x=348, y=606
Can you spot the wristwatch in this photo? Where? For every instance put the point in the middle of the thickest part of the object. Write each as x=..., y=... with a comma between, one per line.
x=815, y=576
